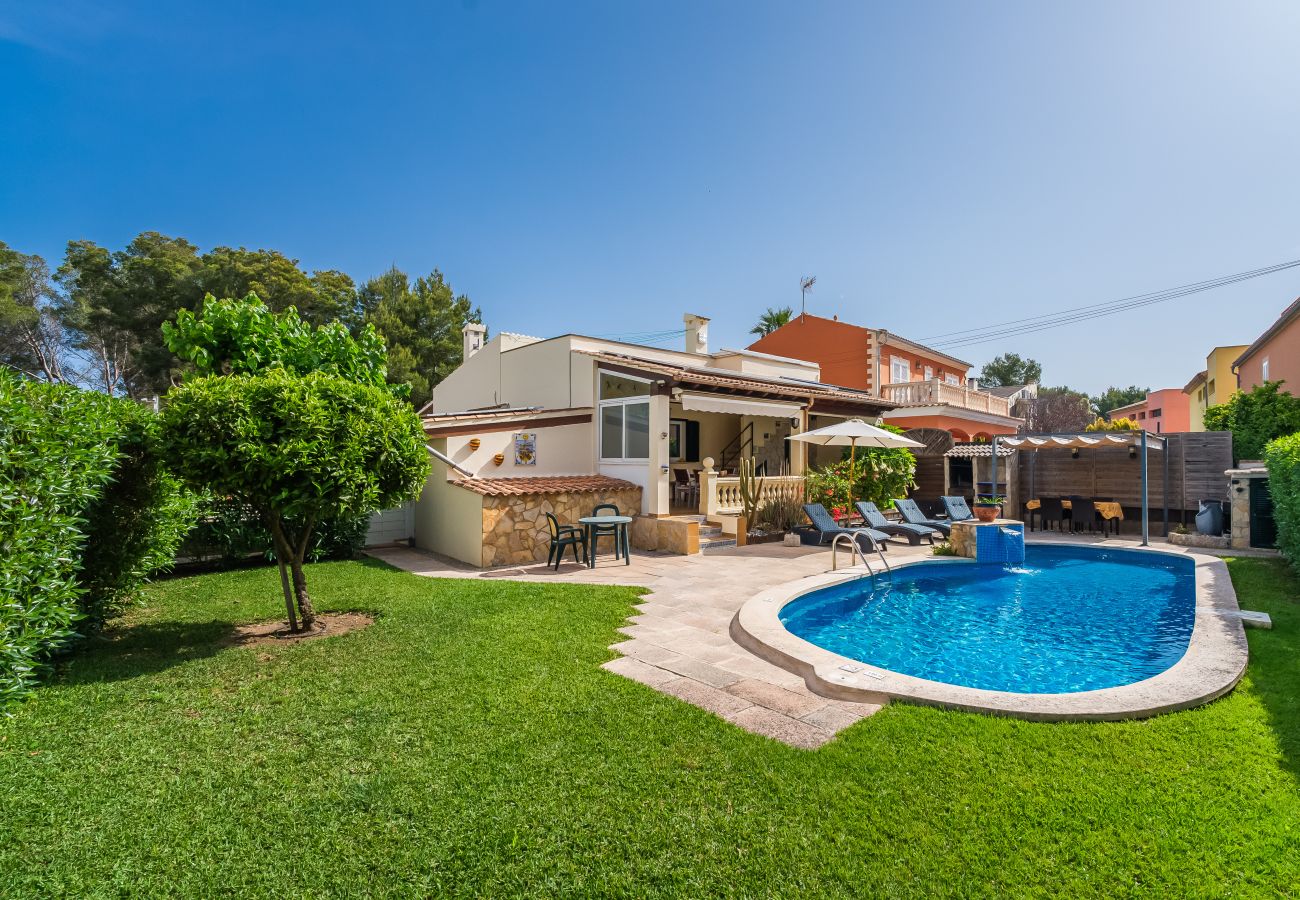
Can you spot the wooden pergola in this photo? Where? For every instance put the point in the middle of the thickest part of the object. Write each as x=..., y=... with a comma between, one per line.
x=1085, y=440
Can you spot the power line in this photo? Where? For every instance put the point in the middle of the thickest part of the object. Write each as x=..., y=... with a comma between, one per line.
x=1033, y=324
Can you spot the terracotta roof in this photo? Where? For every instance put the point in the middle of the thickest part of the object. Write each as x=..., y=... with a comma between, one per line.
x=785, y=387
x=1287, y=315
x=543, y=484
x=978, y=450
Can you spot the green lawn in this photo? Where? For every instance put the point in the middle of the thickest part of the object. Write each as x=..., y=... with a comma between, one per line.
x=468, y=743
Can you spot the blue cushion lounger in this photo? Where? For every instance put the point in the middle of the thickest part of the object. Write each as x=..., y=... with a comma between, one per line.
x=912, y=515
x=872, y=515
x=826, y=526
x=957, y=509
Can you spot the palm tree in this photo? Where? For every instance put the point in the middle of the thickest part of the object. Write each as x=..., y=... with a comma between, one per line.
x=771, y=320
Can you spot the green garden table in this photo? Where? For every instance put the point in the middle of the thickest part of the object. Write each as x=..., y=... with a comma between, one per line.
x=621, y=543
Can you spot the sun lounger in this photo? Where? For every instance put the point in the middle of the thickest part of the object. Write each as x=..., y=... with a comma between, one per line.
x=912, y=515
x=824, y=523
x=872, y=515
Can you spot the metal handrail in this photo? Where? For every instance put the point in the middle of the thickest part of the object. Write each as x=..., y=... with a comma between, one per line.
x=856, y=551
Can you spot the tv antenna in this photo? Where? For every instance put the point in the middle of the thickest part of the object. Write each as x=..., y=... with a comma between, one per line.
x=805, y=285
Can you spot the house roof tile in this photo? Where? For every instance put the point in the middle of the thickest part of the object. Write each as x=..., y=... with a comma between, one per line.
x=544, y=484
x=734, y=380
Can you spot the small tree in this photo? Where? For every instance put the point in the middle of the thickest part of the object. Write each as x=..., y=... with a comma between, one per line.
x=1115, y=397
x=301, y=450
x=1010, y=368
x=243, y=337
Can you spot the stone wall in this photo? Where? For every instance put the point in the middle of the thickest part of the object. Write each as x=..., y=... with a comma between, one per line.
x=1239, y=497
x=514, y=527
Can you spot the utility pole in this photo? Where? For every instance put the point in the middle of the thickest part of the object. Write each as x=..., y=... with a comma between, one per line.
x=805, y=285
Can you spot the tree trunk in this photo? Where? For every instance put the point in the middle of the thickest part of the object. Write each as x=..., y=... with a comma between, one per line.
x=283, y=553
x=304, y=601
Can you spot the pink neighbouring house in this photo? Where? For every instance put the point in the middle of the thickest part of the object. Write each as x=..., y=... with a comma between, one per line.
x=1165, y=410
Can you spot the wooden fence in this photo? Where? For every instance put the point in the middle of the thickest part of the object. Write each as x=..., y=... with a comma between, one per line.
x=1189, y=469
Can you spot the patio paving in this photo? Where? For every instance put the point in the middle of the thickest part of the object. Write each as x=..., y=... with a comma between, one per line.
x=678, y=641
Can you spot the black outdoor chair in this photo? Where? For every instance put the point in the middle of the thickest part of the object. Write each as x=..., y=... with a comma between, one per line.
x=957, y=509
x=826, y=527
x=565, y=536
x=1027, y=515
x=875, y=519
x=1082, y=513
x=912, y=515
x=600, y=531
x=1050, y=510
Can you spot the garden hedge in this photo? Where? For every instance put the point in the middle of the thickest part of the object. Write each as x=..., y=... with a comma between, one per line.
x=86, y=514
x=1282, y=456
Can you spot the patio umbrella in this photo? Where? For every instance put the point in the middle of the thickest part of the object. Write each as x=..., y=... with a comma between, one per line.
x=854, y=433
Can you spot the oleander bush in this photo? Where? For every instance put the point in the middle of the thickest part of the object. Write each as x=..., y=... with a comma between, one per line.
x=86, y=515
x=1282, y=456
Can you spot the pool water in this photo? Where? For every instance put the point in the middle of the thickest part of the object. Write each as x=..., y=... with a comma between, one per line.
x=1068, y=619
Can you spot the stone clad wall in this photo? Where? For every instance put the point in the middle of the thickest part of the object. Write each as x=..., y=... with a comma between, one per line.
x=514, y=527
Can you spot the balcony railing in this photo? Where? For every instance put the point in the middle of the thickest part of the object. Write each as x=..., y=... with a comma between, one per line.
x=936, y=391
x=721, y=496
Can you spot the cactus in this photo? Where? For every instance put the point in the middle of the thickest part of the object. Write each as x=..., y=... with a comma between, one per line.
x=749, y=491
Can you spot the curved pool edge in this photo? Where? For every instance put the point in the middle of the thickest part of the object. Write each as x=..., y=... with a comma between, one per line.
x=1214, y=662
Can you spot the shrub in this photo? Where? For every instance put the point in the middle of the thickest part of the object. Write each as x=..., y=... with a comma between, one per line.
x=1282, y=456
x=85, y=515
x=780, y=514
x=876, y=474
x=1123, y=424
x=300, y=451
x=1255, y=418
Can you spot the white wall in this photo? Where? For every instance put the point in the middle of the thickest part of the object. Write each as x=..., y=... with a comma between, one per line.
x=475, y=383
x=449, y=519
x=561, y=450
x=391, y=526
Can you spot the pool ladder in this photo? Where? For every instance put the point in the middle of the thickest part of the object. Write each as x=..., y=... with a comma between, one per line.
x=856, y=550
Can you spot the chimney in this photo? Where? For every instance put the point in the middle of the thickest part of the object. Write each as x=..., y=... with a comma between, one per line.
x=697, y=333
x=473, y=334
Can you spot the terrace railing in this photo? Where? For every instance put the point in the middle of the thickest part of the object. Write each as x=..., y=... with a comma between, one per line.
x=721, y=495
x=936, y=391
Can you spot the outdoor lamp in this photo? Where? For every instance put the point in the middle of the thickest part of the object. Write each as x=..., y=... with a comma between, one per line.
x=1132, y=451
x=1074, y=453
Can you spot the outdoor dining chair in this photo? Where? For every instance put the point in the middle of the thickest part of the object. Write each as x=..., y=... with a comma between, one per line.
x=564, y=536
x=600, y=531
x=1082, y=513
x=1051, y=510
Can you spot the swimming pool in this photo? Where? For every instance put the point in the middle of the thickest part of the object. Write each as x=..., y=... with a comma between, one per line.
x=1070, y=619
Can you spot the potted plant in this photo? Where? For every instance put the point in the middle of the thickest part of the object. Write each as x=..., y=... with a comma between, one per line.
x=987, y=509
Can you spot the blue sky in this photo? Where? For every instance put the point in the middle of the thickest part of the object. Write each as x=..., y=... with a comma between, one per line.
x=606, y=167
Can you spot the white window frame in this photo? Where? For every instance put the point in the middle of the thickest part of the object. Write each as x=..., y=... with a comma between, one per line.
x=952, y=380
x=620, y=401
x=929, y=373
x=1263, y=370
x=897, y=364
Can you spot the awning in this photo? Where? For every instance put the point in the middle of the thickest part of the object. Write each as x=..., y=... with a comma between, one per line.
x=740, y=406
x=1081, y=441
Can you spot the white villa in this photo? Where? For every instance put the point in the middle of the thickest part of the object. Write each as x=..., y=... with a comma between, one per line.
x=528, y=425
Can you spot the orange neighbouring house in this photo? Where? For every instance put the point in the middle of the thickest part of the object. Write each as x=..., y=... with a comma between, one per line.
x=1275, y=355
x=932, y=388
